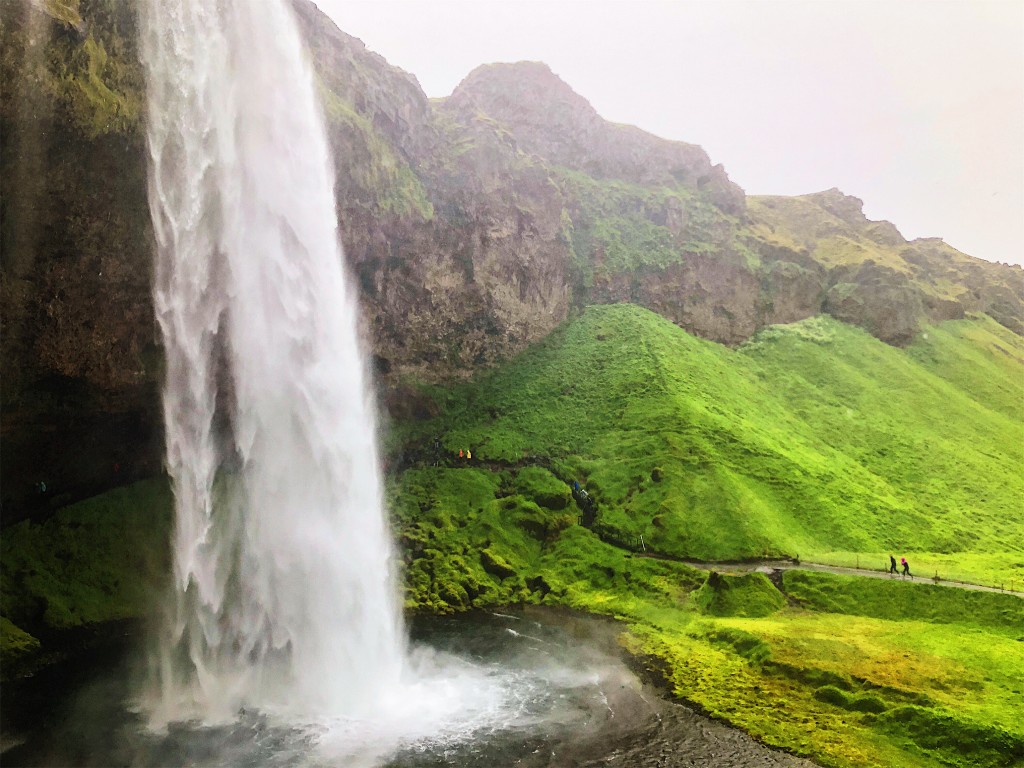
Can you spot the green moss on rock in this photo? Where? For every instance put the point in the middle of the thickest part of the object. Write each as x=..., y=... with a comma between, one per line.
x=750, y=594
x=101, y=559
x=17, y=647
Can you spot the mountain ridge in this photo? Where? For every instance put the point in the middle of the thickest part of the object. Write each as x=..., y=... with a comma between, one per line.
x=470, y=236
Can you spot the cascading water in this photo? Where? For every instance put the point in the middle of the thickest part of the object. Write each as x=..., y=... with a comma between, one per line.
x=282, y=642
x=283, y=597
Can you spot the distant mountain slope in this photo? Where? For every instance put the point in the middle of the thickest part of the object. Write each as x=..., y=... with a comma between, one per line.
x=813, y=437
x=876, y=278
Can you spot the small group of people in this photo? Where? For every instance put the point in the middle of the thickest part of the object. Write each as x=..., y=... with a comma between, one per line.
x=440, y=454
x=903, y=562
x=585, y=502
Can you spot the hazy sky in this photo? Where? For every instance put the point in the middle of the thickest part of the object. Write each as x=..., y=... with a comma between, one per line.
x=915, y=107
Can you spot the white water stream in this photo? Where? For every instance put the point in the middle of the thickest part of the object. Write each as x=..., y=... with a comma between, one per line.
x=283, y=597
x=282, y=642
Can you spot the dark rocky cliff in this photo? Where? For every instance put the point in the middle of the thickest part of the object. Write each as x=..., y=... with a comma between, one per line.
x=474, y=225
x=80, y=356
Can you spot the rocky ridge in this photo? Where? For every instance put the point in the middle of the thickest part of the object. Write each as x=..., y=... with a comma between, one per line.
x=474, y=225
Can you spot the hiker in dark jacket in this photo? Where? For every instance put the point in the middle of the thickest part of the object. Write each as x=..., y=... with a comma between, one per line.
x=892, y=564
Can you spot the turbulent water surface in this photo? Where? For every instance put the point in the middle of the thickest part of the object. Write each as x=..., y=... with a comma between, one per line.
x=539, y=688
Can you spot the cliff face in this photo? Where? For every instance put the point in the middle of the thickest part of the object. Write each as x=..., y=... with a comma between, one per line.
x=875, y=278
x=80, y=356
x=551, y=121
x=473, y=226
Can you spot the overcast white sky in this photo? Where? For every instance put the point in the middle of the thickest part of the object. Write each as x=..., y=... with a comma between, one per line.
x=916, y=107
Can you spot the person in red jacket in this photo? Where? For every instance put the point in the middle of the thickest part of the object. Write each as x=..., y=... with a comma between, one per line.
x=906, y=567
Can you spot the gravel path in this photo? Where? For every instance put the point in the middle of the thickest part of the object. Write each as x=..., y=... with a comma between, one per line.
x=770, y=566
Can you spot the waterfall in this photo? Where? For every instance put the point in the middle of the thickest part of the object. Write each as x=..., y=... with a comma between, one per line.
x=283, y=597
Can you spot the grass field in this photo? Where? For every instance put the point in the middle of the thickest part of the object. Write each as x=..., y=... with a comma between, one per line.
x=849, y=671
x=813, y=440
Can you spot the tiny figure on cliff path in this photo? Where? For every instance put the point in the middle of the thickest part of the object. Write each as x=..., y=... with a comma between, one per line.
x=892, y=564
x=906, y=567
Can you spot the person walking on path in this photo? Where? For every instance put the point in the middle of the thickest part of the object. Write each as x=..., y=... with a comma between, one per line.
x=892, y=564
x=906, y=567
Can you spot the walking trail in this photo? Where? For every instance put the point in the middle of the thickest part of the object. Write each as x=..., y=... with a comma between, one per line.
x=769, y=566
x=423, y=456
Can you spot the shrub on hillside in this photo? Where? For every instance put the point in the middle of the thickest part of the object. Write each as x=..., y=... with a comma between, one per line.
x=750, y=594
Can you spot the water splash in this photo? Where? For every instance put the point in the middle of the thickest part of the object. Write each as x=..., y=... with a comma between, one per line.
x=283, y=596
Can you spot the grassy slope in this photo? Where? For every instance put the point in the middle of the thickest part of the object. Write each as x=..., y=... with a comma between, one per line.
x=812, y=436
x=851, y=672
x=814, y=439
x=850, y=687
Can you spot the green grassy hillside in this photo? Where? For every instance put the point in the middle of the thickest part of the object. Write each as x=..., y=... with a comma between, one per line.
x=852, y=672
x=813, y=440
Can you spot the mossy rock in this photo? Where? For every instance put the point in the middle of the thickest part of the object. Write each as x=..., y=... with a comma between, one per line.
x=751, y=595
x=496, y=565
x=540, y=523
x=17, y=649
x=832, y=695
x=543, y=488
x=868, y=703
x=750, y=647
x=97, y=560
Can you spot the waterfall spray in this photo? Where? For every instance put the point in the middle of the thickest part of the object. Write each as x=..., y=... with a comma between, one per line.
x=283, y=597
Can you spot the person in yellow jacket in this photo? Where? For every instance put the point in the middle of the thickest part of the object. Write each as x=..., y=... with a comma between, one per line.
x=469, y=454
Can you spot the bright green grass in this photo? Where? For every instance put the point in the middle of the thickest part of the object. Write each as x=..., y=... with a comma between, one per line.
x=940, y=686
x=899, y=600
x=812, y=438
x=980, y=358
x=851, y=672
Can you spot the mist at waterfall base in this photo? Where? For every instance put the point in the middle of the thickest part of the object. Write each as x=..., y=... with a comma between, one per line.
x=526, y=688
